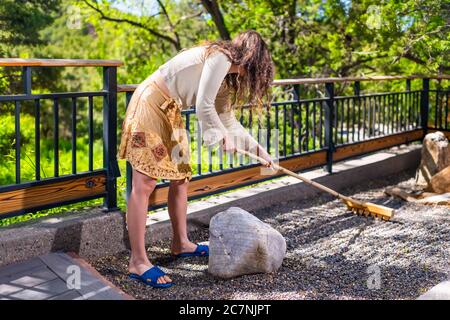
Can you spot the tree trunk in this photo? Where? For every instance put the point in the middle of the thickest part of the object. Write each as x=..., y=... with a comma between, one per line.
x=214, y=10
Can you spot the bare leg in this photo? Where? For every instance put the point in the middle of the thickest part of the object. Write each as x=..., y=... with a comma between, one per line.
x=177, y=207
x=137, y=209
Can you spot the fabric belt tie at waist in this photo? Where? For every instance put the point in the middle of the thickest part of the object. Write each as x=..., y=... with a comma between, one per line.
x=169, y=102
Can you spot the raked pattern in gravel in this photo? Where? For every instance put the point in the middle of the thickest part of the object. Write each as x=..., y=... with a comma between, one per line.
x=331, y=254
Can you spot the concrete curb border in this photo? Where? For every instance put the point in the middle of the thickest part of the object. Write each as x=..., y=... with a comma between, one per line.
x=93, y=233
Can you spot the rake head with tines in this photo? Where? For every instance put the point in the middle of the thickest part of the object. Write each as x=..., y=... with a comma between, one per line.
x=356, y=206
x=368, y=208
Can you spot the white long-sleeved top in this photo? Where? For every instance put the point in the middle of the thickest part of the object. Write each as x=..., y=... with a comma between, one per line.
x=194, y=80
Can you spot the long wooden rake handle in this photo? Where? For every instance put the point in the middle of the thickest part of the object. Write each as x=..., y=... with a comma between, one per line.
x=306, y=180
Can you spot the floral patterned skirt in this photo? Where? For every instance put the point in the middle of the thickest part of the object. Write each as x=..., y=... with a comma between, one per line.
x=154, y=140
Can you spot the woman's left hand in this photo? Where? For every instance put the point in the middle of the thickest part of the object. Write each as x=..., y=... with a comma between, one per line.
x=263, y=154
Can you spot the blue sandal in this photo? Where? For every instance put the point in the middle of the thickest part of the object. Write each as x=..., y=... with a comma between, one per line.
x=150, y=277
x=202, y=250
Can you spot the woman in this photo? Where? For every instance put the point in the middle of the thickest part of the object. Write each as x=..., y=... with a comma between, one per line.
x=156, y=145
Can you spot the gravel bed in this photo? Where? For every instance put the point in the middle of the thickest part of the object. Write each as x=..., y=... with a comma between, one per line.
x=332, y=254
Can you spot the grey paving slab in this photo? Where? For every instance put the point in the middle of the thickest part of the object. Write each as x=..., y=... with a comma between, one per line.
x=17, y=268
x=34, y=278
x=7, y=289
x=69, y=295
x=47, y=277
x=438, y=292
x=91, y=287
x=54, y=287
x=31, y=294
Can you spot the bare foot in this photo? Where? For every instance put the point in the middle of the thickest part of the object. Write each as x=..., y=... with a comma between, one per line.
x=186, y=247
x=139, y=267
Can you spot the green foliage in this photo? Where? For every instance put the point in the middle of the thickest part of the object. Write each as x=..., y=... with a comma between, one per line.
x=21, y=20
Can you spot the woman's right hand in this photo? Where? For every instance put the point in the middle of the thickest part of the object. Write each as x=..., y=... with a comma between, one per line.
x=228, y=145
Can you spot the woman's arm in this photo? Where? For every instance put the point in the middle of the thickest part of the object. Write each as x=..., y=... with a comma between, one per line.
x=240, y=136
x=215, y=68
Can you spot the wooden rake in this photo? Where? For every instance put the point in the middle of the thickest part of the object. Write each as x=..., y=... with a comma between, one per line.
x=356, y=206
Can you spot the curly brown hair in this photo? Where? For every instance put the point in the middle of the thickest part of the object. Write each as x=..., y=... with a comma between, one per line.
x=249, y=51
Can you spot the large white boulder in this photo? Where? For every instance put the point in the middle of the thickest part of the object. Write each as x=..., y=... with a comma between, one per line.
x=240, y=243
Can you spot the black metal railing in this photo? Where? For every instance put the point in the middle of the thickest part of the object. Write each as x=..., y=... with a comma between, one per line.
x=18, y=198
x=322, y=124
x=310, y=122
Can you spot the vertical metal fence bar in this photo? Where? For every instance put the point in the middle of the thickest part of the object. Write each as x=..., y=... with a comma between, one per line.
x=402, y=111
x=353, y=119
x=307, y=126
x=383, y=112
x=241, y=120
x=37, y=138
x=210, y=159
x=291, y=121
x=335, y=122
x=413, y=109
x=348, y=120
x=357, y=102
x=267, y=130
x=74, y=135
x=408, y=111
x=210, y=168
x=416, y=109
x=300, y=127
x=376, y=106
x=375, y=116
x=440, y=101
x=110, y=137
x=388, y=114
x=220, y=158
x=187, y=121
x=321, y=138
x=376, y=120
x=199, y=149
x=284, y=131
x=436, y=108
x=297, y=99
x=129, y=168
x=408, y=104
x=392, y=112
x=359, y=117
x=329, y=120
x=250, y=120
x=371, y=113
x=56, y=136
x=447, y=106
x=397, y=108
x=342, y=120
x=314, y=125
x=395, y=112
x=369, y=116
x=26, y=79
x=276, y=124
x=364, y=115
x=91, y=132
x=424, y=105
x=18, y=138
x=259, y=129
